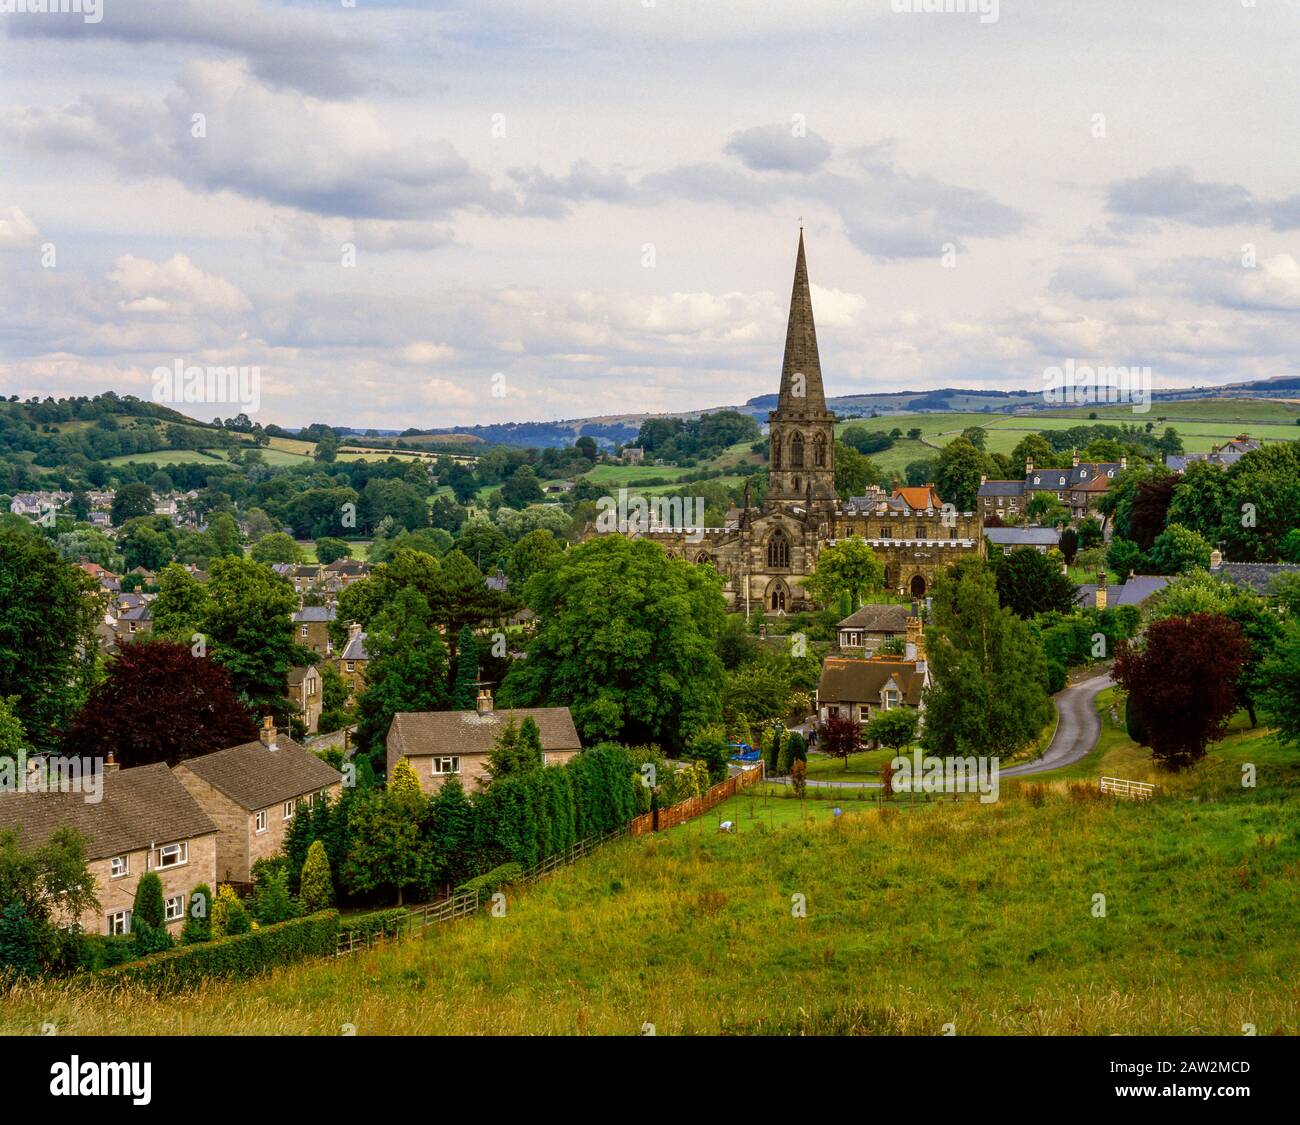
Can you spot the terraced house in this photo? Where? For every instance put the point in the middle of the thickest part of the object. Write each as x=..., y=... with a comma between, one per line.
x=144, y=820
x=251, y=792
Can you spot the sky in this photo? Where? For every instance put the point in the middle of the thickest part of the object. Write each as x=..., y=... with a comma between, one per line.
x=439, y=214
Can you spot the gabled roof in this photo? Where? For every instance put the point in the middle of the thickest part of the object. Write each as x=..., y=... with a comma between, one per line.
x=854, y=680
x=1002, y=488
x=1256, y=576
x=317, y=613
x=139, y=807
x=355, y=648
x=919, y=499
x=1022, y=536
x=417, y=733
x=882, y=618
x=254, y=776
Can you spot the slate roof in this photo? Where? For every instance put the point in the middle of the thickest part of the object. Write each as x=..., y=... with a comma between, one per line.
x=1002, y=488
x=314, y=613
x=852, y=680
x=140, y=807
x=254, y=776
x=883, y=618
x=419, y=733
x=1257, y=576
x=1073, y=477
x=1023, y=536
x=355, y=649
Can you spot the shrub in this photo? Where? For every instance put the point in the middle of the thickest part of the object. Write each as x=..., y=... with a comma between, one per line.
x=316, y=885
x=198, y=918
x=148, y=907
x=236, y=957
x=18, y=942
x=272, y=902
x=387, y=922
x=229, y=917
x=149, y=938
x=490, y=882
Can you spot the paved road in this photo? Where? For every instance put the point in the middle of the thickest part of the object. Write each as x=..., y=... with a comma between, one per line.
x=1076, y=734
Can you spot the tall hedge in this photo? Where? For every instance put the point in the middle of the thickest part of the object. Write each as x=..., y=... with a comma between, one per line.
x=230, y=958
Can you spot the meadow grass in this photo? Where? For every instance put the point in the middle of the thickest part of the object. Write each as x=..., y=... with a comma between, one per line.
x=964, y=913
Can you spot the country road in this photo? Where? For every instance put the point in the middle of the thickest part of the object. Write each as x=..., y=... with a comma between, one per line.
x=1077, y=730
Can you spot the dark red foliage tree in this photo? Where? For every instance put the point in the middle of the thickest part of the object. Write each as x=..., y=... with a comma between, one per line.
x=159, y=704
x=1183, y=683
x=1150, y=509
x=839, y=737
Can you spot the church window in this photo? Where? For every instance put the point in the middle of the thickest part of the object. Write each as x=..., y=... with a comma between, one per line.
x=778, y=550
x=796, y=451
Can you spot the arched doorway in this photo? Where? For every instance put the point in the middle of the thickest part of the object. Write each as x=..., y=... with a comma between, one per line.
x=778, y=596
x=918, y=587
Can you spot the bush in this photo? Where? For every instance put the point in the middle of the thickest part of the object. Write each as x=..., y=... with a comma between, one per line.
x=228, y=914
x=316, y=884
x=150, y=939
x=237, y=957
x=387, y=922
x=272, y=902
x=148, y=907
x=198, y=917
x=18, y=942
x=490, y=882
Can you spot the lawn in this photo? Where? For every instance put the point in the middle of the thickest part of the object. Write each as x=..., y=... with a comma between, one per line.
x=980, y=916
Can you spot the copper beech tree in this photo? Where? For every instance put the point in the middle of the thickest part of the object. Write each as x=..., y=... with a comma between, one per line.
x=1182, y=684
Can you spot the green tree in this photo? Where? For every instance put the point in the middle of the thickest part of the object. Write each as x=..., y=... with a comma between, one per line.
x=516, y=749
x=13, y=739
x=989, y=694
x=130, y=502
x=854, y=472
x=894, y=728
x=1029, y=583
x=19, y=942
x=534, y=552
x=198, y=916
x=148, y=906
x=958, y=475
x=330, y=549
x=316, y=884
x=407, y=669
x=278, y=547
x=849, y=566
x=465, y=690
x=387, y=850
x=181, y=605
x=1178, y=549
x=48, y=613
x=626, y=638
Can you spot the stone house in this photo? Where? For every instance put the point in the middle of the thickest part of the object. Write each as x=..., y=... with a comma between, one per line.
x=306, y=693
x=311, y=628
x=443, y=744
x=252, y=792
x=868, y=628
x=856, y=688
x=144, y=820
x=353, y=660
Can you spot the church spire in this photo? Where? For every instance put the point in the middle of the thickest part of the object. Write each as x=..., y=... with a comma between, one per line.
x=804, y=395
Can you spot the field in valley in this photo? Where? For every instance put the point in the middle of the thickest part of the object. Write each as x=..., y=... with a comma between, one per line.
x=980, y=916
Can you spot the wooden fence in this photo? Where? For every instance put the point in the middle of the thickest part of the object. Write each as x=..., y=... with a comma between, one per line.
x=462, y=903
x=692, y=807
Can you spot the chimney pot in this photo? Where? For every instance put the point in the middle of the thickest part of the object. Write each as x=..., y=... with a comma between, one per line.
x=485, y=702
x=268, y=732
x=110, y=763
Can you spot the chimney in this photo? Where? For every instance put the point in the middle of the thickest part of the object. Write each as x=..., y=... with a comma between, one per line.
x=915, y=647
x=1123, y=461
x=267, y=733
x=110, y=763
x=1100, y=599
x=1216, y=559
x=984, y=478
x=485, y=702
x=354, y=628
x=1029, y=464
x=1074, y=458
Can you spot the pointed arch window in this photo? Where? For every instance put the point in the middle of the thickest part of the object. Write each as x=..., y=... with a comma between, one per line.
x=819, y=451
x=796, y=451
x=776, y=451
x=778, y=550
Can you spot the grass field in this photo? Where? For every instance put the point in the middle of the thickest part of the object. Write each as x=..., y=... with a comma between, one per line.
x=980, y=916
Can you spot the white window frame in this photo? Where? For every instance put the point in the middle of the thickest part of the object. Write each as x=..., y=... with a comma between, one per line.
x=290, y=807
x=119, y=916
x=260, y=823
x=304, y=631
x=179, y=914
x=352, y=667
x=444, y=765
x=181, y=849
x=125, y=863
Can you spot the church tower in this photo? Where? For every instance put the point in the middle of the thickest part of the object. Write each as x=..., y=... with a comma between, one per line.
x=802, y=450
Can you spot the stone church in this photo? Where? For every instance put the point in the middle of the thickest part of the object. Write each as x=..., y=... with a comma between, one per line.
x=764, y=552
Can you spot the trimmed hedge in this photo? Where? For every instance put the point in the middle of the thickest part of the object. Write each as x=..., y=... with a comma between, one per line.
x=231, y=958
x=387, y=922
x=492, y=881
